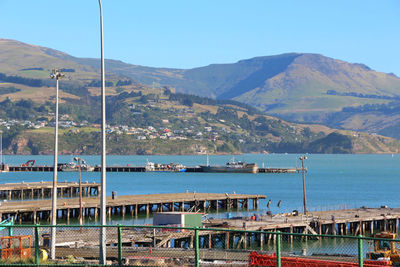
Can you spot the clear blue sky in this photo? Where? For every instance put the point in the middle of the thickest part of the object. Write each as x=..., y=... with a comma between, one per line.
x=188, y=33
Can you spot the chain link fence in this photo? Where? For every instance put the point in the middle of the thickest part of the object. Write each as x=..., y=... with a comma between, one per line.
x=178, y=246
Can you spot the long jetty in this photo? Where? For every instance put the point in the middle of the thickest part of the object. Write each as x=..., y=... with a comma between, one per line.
x=7, y=168
x=259, y=233
x=333, y=222
x=129, y=205
x=41, y=190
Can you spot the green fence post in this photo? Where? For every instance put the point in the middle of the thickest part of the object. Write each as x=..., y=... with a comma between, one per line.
x=37, y=244
x=278, y=248
x=196, y=246
x=119, y=246
x=360, y=251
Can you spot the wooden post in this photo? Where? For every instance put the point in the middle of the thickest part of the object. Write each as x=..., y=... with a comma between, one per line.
x=291, y=231
x=384, y=224
x=245, y=241
x=209, y=240
x=362, y=227
x=226, y=240
x=173, y=206
x=136, y=210
x=147, y=209
x=182, y=206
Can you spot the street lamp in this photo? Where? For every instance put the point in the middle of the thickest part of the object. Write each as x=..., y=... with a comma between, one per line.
x=103, y=155
x=80, y=191
x=55, y=74
x=302, y=158
x=1, y=150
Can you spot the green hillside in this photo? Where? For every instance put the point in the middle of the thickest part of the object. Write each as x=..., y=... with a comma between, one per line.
x=295, y=87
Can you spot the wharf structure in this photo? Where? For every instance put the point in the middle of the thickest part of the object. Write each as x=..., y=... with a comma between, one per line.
x=261, y=233
x=131, y=205
x=362, y=221
x=41, y=190
x=7, y=168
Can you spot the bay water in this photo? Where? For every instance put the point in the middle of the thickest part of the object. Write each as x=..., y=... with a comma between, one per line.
x=332, y=181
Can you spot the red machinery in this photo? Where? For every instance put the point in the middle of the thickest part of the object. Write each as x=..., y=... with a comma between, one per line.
x=16, y=246
x=30, y=163
x=256, y=259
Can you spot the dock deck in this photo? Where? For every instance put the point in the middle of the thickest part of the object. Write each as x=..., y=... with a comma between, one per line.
x=41, y=190
x=34, y=210
x=350, y=221
x=136, y=169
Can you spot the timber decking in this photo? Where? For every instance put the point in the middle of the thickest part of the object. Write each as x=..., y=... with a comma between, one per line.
x=134, y=169
x=32, y=190
x=350, y=221
x=34, y=210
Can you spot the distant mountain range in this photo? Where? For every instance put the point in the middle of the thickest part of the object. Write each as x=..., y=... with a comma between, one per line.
x=294, y=86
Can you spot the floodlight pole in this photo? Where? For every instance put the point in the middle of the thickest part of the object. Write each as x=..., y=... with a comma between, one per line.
x=103, y=156
x=56, y=74
x=1, y=149
x=302, y=158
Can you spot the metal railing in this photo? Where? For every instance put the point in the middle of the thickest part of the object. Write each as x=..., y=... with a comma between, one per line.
x=141, y=245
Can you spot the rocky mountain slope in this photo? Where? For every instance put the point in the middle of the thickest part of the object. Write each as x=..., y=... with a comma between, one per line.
x=297, y=87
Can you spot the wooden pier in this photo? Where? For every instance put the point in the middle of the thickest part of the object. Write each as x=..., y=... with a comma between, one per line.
x=133, y=205
x=279, y=170
x=50, y=169
x=42, y=190
x=363, y=221
x=132, y=169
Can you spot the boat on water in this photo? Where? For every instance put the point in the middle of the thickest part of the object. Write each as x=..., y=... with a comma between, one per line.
x=159, y=167
x=231, y=167
x=73, y=167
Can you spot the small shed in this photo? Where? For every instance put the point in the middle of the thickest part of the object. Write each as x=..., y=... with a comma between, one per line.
x=182, y=219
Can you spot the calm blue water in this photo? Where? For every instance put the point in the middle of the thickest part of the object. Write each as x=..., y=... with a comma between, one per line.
x=332, y=181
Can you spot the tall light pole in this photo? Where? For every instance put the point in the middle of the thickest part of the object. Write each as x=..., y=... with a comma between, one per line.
x=80, y=191
x=302, y=158
x=1, y=149
x=103, y=155
x=56, y=74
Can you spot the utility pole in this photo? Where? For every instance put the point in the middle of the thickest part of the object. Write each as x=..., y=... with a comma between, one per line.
x=103, y=154
x=302, y=158
x=1, y=150
x=56, y=74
